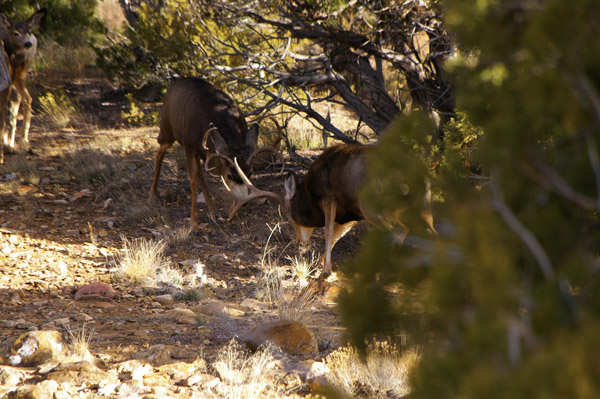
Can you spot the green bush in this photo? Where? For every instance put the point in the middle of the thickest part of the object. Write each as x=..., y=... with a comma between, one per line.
x=506, y=302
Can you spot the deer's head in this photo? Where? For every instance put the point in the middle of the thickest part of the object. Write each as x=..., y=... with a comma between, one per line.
x=18, y=35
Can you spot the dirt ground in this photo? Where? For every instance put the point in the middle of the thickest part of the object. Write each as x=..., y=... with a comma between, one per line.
x=67, y=203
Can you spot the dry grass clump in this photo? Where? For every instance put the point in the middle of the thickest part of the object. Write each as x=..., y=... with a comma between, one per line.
x=291, y=302
x=56, y=109
x=144, y=262
x=303, y=268
x=382, y=374
x=247, y=376
x=282, y=289
x=79, y=343
x=141, y=260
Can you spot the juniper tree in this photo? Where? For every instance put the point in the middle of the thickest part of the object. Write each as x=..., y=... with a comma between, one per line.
x=506, y=302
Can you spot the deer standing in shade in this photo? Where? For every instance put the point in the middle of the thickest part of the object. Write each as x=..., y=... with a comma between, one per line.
x=329, y=197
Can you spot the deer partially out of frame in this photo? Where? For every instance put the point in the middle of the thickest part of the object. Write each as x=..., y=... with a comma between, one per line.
x=211, y=128
x=20, y=46
x=328, y=197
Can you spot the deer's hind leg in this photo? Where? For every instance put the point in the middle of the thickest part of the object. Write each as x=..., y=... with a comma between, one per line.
x=157, y=165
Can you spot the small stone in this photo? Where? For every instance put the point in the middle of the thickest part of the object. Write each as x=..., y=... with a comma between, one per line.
x=15, y=298
x=253, y=304
x=165, y=300
x=60, y=268
x=5, y=248
x=217, y=259
x=62, y=394
x=10, y=376
x=195, y=379
x=182, y=315
x=83, y=318
x=157, y=354
x=30, y=392
x=159, y=391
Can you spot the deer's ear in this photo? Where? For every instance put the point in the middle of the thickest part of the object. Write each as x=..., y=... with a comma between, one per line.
x=252, y=136
x=4, y=21
x=220, y=144
x=290, y=184
x=36, y=19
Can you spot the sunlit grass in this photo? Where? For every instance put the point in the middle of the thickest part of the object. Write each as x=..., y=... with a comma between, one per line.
x=79, y=343
x=57, y=109
x=141, y=259
x=303, y=269
x=382, y=374
x=247, y=376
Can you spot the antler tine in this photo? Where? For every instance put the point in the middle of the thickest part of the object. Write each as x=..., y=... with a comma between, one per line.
x=205, y=138
x=271, y=148
x=211, y=157
x=247, y=181
x=256, y=193
x=267, y=149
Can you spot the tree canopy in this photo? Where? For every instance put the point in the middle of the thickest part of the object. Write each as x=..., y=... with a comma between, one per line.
x=375, y=58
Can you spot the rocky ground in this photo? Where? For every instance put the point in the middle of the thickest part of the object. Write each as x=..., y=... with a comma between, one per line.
x=67, y=208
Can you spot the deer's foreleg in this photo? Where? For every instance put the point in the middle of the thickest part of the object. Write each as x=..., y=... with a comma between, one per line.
x=26, y=102
x=14, y=102
x=3, y=111
x=329, y=207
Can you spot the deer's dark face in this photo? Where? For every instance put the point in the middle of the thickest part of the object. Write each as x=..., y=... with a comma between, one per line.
x=293, y=202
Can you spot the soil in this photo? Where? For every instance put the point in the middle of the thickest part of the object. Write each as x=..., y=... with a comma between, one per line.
x=68, y=202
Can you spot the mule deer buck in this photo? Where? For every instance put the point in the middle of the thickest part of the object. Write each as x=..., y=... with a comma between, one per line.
x=20, y=46
x=329, y=197
x=211, y=128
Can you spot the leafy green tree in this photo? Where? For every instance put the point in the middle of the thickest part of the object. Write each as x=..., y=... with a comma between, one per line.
x=508, y=296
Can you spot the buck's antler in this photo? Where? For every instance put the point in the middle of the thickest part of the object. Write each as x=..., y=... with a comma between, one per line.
x=242, y=198
x=271, y=148
x=212, y=155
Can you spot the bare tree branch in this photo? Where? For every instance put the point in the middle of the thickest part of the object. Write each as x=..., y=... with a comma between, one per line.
x=520, y=230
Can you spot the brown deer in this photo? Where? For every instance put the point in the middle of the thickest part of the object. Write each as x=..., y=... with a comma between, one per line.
x=20, y=46
x=211, y=128
x=329, y=197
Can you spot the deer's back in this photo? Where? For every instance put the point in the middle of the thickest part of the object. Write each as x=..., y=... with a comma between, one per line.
x=191, y=105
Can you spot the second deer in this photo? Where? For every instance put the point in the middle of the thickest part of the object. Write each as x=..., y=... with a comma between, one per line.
x=329, y=197
x=211, y=128
x=20, y=47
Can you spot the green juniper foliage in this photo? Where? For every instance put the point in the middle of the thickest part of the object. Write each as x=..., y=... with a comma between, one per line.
x=507, y=303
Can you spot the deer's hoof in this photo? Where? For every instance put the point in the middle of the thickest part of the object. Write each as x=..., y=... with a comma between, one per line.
x=323, y=276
